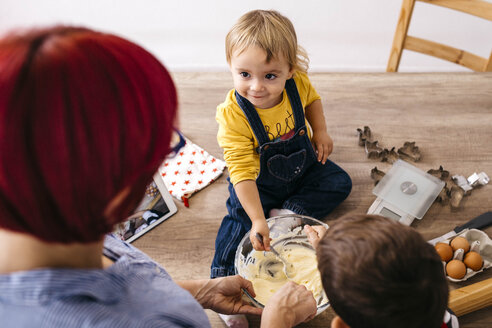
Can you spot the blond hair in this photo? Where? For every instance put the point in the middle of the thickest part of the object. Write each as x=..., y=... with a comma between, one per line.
x=270, y=31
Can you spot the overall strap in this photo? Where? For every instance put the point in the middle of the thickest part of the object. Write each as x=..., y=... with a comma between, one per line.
x=253, y=119
x=296, y=104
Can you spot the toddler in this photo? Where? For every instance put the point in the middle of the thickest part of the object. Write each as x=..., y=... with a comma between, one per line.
x=379, y=273
x=273, y=133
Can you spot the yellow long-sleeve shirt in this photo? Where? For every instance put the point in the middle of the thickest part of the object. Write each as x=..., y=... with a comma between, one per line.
x=236, y=136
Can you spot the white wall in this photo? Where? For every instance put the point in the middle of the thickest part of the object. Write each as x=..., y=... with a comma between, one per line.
x=339, y=35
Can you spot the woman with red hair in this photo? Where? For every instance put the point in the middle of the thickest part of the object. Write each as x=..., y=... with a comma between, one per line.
x=85, y=120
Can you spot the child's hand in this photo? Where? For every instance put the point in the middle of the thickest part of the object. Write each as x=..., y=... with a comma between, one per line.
x=314, y=233
x=323, y=145
x=260, y=227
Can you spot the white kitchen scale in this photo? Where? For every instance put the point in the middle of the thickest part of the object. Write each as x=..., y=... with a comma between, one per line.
x=405, y=193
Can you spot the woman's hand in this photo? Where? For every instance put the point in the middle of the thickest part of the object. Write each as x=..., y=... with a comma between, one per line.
x=289, y=306
x=260, y=227
x=323, y=145
x=225, y=295
x=314, y=234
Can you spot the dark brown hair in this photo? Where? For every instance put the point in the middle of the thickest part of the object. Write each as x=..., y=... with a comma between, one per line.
x=379, y=273
x=84, y=115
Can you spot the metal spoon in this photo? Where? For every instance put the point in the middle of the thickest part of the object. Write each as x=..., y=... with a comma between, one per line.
x=277, y=254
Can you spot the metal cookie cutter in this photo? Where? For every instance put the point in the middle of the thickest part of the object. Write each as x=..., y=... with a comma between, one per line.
x=473, y=181
x=478, y=179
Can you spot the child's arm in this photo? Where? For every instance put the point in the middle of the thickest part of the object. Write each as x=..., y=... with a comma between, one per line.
x=248, y=195
x=323, y=144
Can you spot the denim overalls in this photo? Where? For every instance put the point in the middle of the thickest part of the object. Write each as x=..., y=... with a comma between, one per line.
x=290, y=177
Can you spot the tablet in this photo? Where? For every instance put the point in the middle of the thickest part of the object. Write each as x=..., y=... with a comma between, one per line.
x=156, y=206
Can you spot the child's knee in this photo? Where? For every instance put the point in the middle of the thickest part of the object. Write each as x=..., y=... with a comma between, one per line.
x=345, y=183
x=341, y=183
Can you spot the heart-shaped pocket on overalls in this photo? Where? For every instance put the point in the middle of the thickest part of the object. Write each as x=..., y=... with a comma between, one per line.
x=287, y=168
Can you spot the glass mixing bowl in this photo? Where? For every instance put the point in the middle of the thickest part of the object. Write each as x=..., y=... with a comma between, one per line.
x=284, y=230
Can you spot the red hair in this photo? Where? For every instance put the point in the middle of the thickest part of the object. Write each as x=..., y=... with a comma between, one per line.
x=83, y=115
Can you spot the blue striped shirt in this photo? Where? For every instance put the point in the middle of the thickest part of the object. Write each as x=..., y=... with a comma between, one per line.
x=134, y=292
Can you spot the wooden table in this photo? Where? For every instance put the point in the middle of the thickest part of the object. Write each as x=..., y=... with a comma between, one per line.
x=448, y=115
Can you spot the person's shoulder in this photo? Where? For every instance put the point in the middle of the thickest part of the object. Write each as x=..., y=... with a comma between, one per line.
x=229, y=109
x=303, y=83
x=306, y=90
x=229, y=103
x=301, y=78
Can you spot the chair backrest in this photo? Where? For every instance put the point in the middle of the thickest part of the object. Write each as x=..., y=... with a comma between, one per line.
x=479, y=8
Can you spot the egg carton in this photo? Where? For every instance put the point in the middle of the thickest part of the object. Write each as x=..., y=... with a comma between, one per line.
x=479, y=242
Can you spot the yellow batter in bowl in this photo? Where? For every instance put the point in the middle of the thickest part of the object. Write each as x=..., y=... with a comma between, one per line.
x=267, y=273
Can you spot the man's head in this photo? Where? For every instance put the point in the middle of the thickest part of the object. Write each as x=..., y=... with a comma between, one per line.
x=379, y=273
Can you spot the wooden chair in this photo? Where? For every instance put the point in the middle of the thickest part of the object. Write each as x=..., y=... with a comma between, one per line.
x=479, y=8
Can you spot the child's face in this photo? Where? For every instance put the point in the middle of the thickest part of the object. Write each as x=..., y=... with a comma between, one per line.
x=260, y=82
